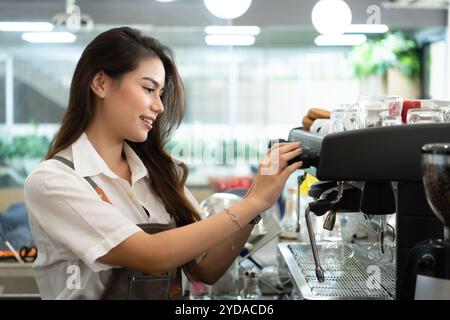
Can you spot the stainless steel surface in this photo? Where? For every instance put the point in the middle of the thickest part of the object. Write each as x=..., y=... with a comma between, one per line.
x=382, y=233
x=17, y=281
x=300, y=180
x=375, y=226
x=217, y=202
x=346, y=281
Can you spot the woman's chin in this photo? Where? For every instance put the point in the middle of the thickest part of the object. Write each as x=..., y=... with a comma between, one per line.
x=139, y=137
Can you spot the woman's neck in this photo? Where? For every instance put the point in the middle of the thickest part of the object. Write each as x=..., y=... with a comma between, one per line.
x=107, y=145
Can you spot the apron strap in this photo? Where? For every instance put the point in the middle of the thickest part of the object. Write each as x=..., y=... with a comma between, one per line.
x=97, y=189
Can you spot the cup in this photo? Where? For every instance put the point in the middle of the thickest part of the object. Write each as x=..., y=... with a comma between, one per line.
x=425, y=115
x=389, y=120
x=377, y=111
x=337, y=120
x=250, y=288
x=352, y=117
x=409, y=104
x=447, y=115
x=335, y=250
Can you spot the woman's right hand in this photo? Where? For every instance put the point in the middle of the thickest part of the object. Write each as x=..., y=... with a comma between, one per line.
x=273, y=172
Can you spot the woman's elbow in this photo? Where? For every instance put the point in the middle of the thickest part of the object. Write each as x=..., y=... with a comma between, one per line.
x=207, y=278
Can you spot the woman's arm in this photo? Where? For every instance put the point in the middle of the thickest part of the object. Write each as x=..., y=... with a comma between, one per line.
x=219, y=259
x=170, y=249
x=163, y=251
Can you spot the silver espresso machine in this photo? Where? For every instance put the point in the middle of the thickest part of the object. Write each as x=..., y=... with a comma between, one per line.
x=374, y=172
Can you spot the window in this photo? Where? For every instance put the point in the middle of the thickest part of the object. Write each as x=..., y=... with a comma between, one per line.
x=2, y=92
x=434, y=70
x=41, y=89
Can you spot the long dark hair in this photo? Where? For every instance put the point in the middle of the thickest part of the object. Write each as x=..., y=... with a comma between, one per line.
x=116, y=52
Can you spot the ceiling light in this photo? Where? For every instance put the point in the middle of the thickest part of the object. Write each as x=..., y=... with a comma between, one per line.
x=164, y=0
x=227, y=9
x=49, y=37
x=26, y=26
x=331, y=16
x=340, y=40
x=367, y=28
x=229, y=40
x=73, y=20
x=246, y=30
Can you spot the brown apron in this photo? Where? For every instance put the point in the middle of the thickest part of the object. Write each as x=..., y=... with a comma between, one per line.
x=127, y=284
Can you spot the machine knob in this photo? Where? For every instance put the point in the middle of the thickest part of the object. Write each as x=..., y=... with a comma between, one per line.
x=427, y=262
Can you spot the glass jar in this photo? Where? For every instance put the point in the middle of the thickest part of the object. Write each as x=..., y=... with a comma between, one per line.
x=379, y=111
x=337, y=120
x=250, y=288
x=290, y=220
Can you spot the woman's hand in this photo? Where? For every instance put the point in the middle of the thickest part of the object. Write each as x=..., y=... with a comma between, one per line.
x=273, y=172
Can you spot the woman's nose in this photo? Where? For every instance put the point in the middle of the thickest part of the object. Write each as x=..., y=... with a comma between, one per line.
x=157, y=105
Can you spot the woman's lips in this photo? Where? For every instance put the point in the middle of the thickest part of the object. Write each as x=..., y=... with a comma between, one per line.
x=147, y=122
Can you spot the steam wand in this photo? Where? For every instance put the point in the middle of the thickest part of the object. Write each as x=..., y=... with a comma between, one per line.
x=321, y=206
x=300, y=180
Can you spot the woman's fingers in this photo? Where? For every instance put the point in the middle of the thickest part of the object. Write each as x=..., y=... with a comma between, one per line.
x=290, y=155
x=290, y=169
x=289, y=147
x=276, y=146
x=279, y=157
x=279, y=149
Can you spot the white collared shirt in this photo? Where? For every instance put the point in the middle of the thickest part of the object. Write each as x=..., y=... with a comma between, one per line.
x=72, y=227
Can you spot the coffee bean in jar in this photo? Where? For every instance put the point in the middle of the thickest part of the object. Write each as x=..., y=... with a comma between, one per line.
x=436, y=179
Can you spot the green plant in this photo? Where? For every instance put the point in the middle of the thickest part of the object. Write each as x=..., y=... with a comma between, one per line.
x=394, y=50
x=29, y=147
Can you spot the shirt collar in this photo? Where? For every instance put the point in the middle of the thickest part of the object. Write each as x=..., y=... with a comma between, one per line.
x=87, y=162
x=137, y=167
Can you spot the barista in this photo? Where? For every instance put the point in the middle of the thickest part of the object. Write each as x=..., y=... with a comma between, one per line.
x=109, y=205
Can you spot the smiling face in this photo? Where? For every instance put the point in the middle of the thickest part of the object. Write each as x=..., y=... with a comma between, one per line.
x=130, y=106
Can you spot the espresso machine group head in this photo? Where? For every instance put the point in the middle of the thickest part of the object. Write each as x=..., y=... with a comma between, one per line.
x=376, y=171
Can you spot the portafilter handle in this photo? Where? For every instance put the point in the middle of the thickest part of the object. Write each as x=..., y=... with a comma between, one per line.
x=330, y=219
x=309, y=157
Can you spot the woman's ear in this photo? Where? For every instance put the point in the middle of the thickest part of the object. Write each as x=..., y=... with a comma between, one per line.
x=98, y=84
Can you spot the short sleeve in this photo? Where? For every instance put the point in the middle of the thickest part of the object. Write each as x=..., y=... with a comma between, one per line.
x=69, y=211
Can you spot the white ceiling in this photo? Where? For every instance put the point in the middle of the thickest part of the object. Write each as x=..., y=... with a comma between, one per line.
x=419, y=3
x=194, y=13
x=181, y=22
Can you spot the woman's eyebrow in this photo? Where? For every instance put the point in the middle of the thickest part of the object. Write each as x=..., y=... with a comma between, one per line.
x=156, y=83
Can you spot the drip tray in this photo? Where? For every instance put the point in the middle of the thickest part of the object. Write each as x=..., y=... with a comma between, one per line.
x=356, y=278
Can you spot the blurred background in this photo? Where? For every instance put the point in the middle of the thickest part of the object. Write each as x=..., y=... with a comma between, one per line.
x=242, y=89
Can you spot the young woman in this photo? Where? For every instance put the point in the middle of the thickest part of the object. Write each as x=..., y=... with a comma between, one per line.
x=108, y=208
